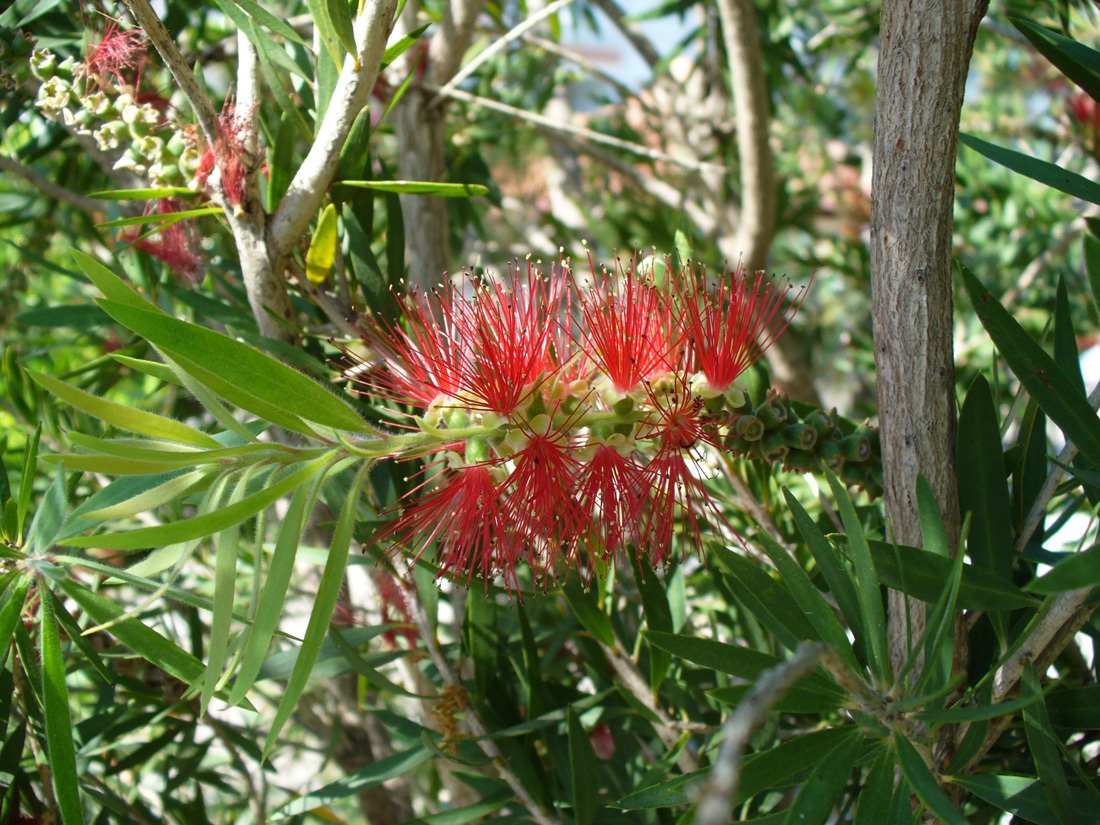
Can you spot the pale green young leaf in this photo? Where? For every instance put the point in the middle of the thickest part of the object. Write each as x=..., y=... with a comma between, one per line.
x=420, y=187
x=205, y=524
x=123, y=416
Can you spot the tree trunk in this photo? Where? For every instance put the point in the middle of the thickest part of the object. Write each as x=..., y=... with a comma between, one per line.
x=925, y=52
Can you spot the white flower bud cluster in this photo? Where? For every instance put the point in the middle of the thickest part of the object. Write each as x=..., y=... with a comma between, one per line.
x=135, y=131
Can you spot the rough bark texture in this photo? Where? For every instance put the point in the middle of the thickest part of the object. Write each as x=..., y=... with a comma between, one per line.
x=925, y=52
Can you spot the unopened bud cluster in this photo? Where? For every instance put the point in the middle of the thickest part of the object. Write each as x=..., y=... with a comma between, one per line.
x=775, y=432
x=105, y=105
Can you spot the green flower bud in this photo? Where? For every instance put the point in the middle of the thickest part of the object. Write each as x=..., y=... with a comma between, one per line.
x=176, y=145
x=43, y=64
x=150, y=147
x=477, y=450
x=54, y=95
x=110, y=135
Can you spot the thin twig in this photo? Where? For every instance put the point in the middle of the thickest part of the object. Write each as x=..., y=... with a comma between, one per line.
x=473, y=720
x=630, y=31
x=497, y=46
x=579, y=131
x=49, y=188
x=633, y=681
x=716, y=799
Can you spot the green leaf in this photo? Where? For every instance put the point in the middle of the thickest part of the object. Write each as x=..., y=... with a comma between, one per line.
x=131, y=495
x=369, y=777
x=585, y=607
x=768, y=599
x=925, y=784
x=1051, y=388
x=983, y=483
x=809, y=599
x=1022, y=796
x=1078, y=570
x=867, y=583
x=1075, y=60
x=26, y=482
x=1045, y=750
x=838, y=579
x=205, y=524
x=133, y=633
x=112, y=287
x=318, y=10
x=799, y=698
x=740, y=662
x=1040, y=170
x=873, y=802
x=420, y=187
x=933, y=533
x=240, y=374
x=269, y=607
x=272, y=21
x=50, y=517
x=462, y=816
x=974, y=713
x=924, y=575
x=322, y=249
x=55, y=706
x=142, y=194
x=124, y=417
x=817, y=797
x=77, y=317
x=1076, y=708
x=583, y=772
x=225, y=587
x=938, y=639
x=328, y=591
x=164, y=218
x=339, y=12
x=10, y=613
x=1092, y=264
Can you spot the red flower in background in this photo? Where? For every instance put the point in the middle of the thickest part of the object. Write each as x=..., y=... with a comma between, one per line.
x=116, y=56
x=175, y=242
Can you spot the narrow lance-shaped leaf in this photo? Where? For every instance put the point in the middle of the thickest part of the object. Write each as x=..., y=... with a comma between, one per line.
x=818, y=795
x=123, y=416
x=1045, y=750
x=1051, y=388
x=582, y=771
x=59, y=723
x=1048, y=173
x=242, y=375
x=328, y=591
x=925, y=784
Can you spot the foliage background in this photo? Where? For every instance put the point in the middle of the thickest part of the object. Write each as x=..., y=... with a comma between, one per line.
x=448, y=705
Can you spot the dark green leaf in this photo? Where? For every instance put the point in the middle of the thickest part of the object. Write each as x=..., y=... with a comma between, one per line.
x=1075, y=60
x=925, y=575
x=420, y=187
x=768, y=599
x=925, y=784
x=874, y=801
x=1045, y=749
x=10, y=613
x=339, y=12
x=974, y=713
x=583, y=772
x=1023, y=796
x=1076, y=708
x=76, y=317
x=817, y=797
x=983, y=484
x=585, y=607
x=1078, y=570
x=1046, y=173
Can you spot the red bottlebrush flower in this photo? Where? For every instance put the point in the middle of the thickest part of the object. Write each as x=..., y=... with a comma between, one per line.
x=630, y=329
x=731, y=328
x=466, y=514
x=542, y=509
x=116, y=56
x=486, y=352
x=615, y=490
x=394, y=609
x=676, y=499
x=175, y=242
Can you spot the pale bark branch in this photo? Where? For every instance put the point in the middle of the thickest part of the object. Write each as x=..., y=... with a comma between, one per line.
x=587, y=134
x=716, y=800
x=495, y=48
x=49, y=188
x=360, y=71
x=630, y=30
